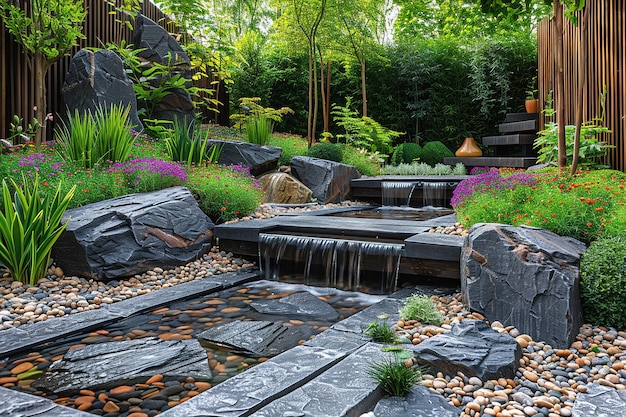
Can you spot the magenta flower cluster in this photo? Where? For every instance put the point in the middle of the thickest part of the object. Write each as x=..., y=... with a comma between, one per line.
x=41, y=162
x=489, y=181
x=136, y=167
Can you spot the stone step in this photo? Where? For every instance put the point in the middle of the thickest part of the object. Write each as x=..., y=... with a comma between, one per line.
x=514, y=139
x=493, y=161
x=521, y=126
x=436, y=246
x=518, y=117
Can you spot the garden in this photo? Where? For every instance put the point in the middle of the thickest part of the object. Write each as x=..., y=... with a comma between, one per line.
x=403, y=113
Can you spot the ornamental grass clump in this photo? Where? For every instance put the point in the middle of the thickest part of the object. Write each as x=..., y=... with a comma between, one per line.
x=394, y=377
x=423, y=309
x=584, y=206
x=381, y=332
x=30, y=223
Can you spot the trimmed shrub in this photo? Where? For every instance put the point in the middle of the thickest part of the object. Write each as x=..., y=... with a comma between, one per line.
x=603, y=282
x=434, y=152
x=406, y=153
x=326, y=150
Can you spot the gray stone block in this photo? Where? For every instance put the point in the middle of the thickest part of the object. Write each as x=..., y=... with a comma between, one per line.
x=420, y=402
x=328, y=180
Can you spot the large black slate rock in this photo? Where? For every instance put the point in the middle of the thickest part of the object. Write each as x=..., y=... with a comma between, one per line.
x=524, y=277
x=474, y=348
x=255, y=338
x=328, y=180
x=419, y=402
x=160, y=47
x=133, y=233
x=260, y=159
x=302, y=304
x=97, y=79
x=106, y=365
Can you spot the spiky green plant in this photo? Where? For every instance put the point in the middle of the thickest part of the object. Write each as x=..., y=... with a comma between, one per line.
x=423, y=309
x=394, y=377
x=381, y=332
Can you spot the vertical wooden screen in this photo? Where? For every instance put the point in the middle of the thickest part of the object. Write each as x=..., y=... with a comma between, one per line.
x=606, y=66
x=17, y=92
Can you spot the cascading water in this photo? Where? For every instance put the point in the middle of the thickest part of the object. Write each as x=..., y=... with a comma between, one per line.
x=434, y=194
x=397, y=193
x=332, y=262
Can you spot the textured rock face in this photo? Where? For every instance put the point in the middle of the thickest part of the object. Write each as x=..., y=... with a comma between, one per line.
x=600, y=401
x=419, y=402
x=133, y=233
x=160, y=47
x=97, y=79
x=105, y=365
x=524, y=277
x=300, y=304
x=474, y=348
x=282, y=188
x=328, y=180
x=260, y=159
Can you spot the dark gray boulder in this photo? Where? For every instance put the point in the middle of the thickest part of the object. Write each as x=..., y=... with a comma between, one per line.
x=419, y=402
x=260, y=159
x=106, y=365
x=328, y=180
x=97, y=79
x=474, y=348
x=133, y=233
x=524, y=277
x=160, y=47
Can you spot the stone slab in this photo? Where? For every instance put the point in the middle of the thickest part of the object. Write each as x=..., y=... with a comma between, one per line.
x=29, y=335
x=250, y=338
x=436, y=246
x=19, y=404
x=600, y=401
x=249, y=391
x=300, y=304
x=338, y=340
x=357, y=323
x=420, y=402
x=343, y=390
x=106, y=365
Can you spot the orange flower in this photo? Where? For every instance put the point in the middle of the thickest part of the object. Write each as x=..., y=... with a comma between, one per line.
x=223, y=208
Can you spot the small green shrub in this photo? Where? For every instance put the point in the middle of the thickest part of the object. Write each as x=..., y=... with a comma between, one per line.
x=603, y=282
x=326, y=150
x=187, y=144
x=421, y=168
x=364, y=161
x=291, y=145
x=434, y=152
x=258, y=129
x=423, y=309
x=406, y=153
x=381, y=332
x=224, y=193
x=394, y=377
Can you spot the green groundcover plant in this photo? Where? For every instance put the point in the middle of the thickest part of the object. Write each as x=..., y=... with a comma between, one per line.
x=584, y=206
x=421, y=308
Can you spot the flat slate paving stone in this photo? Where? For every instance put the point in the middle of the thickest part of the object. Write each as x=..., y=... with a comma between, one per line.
x=385, y=310
x=19, y=404
x=254, y=338
x=30, y=335
x=106, y=365
x=419, y=402
x=344, y=389
x=338, y=340
x=258, y=386
x=302, y=304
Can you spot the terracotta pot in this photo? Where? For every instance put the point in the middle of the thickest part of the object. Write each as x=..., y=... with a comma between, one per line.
x=468, y=148
x=532, y=106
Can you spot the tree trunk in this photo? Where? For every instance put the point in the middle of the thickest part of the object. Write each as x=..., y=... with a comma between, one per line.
x=363, y=87
x=39, y=72
x=582, y=87
x=560, y=86
x=323, y=91
x=315, y=103
x=327, y=128
x=309, y=130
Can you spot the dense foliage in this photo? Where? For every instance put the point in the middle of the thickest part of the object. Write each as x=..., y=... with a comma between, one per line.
x=326, y=150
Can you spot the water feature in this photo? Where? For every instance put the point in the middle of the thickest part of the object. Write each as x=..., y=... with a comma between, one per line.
x=396, y=213
x=331, y=261
x=404, y=193
x=434, y=193
x=397, y=193
x=182, y=321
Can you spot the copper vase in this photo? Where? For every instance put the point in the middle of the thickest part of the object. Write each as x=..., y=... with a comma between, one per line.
x=468, y=148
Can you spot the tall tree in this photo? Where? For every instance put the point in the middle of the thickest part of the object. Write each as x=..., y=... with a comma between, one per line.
x=47, y=32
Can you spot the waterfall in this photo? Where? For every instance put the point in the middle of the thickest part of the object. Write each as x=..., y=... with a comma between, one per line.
x=397, y=193
x=434, y=194
x=338, y=263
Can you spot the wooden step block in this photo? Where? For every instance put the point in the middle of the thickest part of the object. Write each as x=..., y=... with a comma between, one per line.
x=493, y=161
x=519, y=117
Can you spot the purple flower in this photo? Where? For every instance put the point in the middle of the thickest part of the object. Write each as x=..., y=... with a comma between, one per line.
x=135, y=167
x=488, y=182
